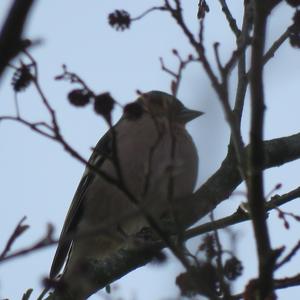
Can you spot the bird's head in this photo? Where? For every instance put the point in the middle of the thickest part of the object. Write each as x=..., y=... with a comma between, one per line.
x=163, y=105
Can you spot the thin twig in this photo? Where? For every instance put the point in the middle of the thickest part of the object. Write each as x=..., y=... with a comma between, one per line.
x=217, y=57
x=178, y=74
x=142, y=15
x=230, y=18
x=45, y=241
x=20, y=229
x=289, y=256
x=220, y=269
x=276, y=45
x=272, y=50
x=33, y=126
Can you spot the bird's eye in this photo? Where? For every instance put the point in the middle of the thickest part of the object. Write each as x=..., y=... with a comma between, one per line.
x=178, y=105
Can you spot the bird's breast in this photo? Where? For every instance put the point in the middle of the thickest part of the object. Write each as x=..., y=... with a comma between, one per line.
x=156, y=160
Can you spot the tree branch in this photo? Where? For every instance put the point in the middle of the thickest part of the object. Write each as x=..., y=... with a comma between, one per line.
x=11, y=33
x=218, y=188
x=254, y=180
x=241, y=216
x=281, y=283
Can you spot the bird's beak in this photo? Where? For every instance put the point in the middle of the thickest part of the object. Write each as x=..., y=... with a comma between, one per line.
x=187, y=115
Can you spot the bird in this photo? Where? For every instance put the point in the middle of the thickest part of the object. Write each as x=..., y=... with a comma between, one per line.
x=146, y=159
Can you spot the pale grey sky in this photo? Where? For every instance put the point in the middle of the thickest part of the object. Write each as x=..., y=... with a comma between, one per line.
x=38, y=178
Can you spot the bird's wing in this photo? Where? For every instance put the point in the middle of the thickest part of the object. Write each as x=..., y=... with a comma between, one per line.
x=101, y=152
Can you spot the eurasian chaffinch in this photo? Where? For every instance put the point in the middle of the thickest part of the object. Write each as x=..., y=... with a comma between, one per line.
x=151, y=159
